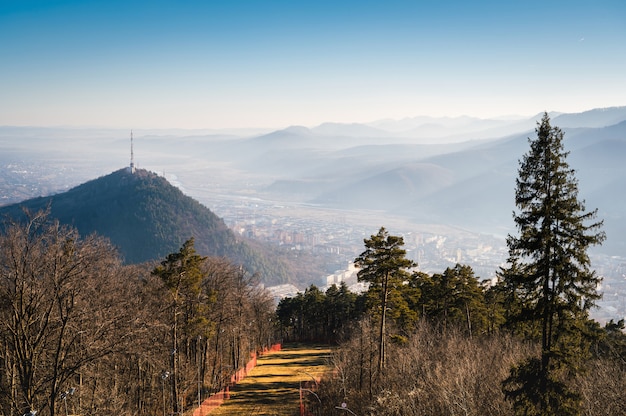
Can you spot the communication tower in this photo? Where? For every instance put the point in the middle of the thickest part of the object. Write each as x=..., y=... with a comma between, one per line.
x=132, y=156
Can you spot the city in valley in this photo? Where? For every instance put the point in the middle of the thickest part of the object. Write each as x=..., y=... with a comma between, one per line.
x=433, y=247
x=324, y=192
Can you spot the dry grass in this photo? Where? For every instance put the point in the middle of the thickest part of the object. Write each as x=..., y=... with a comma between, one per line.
x=272, y=388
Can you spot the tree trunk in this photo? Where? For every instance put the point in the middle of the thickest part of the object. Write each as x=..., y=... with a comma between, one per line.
x=469, y=320
x=173, y=364
x=383, y=317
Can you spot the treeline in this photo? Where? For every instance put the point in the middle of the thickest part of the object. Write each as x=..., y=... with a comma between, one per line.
x=82, y=333
x=316, y=316
x=450, y=342
x=452, y=299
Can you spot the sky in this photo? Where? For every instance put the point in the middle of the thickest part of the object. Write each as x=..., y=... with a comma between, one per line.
x=275, y=63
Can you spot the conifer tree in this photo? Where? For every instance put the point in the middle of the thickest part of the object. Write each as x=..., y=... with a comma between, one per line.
x=181, y=274
x=455, y=298
x=384, y=266
x=552, y=277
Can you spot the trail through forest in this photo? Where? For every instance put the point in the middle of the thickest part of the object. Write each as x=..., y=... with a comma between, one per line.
x=273, y=387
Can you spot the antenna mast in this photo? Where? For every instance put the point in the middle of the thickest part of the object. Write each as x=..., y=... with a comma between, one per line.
x=132, y=156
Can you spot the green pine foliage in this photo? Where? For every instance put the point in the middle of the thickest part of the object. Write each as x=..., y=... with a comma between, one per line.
x=521, y=345
x=552, y=283
x=319, y=316
x=385, y=267
x=455, y=299
x=181, y=274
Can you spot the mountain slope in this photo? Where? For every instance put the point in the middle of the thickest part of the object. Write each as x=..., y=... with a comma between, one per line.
x=148, y=218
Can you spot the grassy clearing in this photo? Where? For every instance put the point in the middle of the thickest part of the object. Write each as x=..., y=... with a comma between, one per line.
x=272, y=388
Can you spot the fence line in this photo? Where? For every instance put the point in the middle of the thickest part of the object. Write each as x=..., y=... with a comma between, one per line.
x=217, y=399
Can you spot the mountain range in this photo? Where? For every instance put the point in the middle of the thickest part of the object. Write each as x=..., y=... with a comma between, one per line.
x=454, y=171
x=468, y=183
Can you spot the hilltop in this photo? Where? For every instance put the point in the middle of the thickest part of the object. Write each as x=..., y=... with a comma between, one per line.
x=146, y=218
x=317, y=191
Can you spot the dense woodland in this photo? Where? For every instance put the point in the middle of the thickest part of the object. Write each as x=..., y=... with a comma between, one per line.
x=83, y=333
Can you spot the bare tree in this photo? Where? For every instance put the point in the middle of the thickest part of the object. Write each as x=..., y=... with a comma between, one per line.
x=56, y=315
x=83, y=333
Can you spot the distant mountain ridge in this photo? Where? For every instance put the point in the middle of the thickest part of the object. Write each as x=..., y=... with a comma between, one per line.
x=456, y=171
x=146, y=218
x=467, y=184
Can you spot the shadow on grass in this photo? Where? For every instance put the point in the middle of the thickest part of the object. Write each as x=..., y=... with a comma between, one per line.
x=300, y=359
x=272, y=388
x=260, y=393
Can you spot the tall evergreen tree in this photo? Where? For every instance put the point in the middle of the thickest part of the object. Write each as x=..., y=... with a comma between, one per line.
x=384, y=266
x=552, y=276
x=181, y=273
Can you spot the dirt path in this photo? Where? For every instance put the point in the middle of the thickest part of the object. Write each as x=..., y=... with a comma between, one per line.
x=272, y=387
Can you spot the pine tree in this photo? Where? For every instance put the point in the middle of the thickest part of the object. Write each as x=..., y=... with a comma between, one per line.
x=552, y=276
x=455, y=298
x=340, y=310
x=384, y=266
x=181, y=273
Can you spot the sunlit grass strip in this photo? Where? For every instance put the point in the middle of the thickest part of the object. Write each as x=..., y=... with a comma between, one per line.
x=273, y=386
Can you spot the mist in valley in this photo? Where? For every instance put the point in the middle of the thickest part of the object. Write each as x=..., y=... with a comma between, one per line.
x=451, y=179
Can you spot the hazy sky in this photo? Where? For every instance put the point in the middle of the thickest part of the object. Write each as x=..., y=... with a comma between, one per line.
x=268, y=63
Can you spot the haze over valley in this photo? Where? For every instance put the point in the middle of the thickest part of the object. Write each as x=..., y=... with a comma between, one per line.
x=445, y=184
x=189, y=187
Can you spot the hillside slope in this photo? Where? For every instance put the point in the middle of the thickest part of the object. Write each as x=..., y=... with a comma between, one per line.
x=147, y=218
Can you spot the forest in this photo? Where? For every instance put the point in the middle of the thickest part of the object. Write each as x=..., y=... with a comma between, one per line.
x=83, y=333
x=448, y=353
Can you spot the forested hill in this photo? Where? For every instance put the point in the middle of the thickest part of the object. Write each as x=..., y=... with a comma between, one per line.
x=147, y=218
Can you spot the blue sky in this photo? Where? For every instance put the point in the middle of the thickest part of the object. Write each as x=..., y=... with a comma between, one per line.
x=236, y=63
